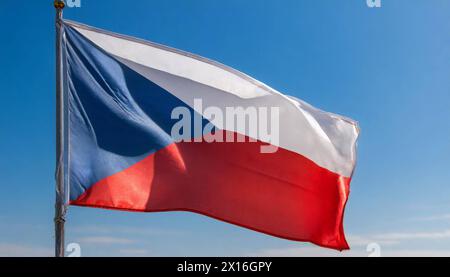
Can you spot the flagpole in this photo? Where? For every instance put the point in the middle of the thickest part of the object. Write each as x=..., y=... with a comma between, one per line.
x=60, y=208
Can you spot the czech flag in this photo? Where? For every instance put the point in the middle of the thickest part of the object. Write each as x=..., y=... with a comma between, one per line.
x=148, y=129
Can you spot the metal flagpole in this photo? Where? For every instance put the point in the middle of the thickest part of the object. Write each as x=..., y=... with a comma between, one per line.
x=60, y=207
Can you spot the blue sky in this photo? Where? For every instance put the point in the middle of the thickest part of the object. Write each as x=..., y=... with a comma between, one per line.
x=388, y=68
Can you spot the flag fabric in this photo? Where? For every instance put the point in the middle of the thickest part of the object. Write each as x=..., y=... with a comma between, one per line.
x=121, y=94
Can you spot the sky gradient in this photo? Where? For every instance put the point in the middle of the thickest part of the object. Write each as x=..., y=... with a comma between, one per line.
x=388, y=68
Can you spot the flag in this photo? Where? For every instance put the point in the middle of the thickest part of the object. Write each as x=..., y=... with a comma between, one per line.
x=151, y=128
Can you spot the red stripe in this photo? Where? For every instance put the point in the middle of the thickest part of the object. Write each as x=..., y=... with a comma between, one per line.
x=282, y=194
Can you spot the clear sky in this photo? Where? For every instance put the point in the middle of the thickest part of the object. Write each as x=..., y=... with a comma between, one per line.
x=388, y=68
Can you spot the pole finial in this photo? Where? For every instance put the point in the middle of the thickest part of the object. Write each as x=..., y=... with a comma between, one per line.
x=59, y=4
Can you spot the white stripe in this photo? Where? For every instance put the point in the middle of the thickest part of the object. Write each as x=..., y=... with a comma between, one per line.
x=327, y=139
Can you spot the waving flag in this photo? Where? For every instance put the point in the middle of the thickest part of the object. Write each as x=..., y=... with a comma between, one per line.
x=124, y=99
